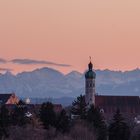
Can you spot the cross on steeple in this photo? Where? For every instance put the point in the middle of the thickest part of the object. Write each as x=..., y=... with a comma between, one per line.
x=90, y=58
x=90, y=65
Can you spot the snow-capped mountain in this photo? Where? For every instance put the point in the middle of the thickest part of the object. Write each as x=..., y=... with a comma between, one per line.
x=47, y=82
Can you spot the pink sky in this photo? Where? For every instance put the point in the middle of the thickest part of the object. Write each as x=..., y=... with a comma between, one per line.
x=69, y=31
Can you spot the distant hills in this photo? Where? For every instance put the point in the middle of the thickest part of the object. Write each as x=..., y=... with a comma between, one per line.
x=47, y=82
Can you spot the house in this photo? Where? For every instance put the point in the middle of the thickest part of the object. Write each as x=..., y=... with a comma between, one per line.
x=8, y=99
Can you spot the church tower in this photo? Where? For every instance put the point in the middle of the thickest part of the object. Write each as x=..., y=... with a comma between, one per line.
x=90, y=77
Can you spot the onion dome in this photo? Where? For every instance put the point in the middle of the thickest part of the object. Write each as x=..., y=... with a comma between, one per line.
x=90, y=74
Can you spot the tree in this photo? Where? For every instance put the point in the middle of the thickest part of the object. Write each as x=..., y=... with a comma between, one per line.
x=4, y=116
x=4, y=121
x=95, y=118
x=18, y=115
x=63, y=122
x=79, y=107
x=118, y=129
x=136, y=133
x=47, y=115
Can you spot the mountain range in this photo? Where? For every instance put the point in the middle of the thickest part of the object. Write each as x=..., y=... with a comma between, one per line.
x=50, y=83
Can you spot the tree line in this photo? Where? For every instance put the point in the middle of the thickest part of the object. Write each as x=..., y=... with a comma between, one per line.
x=117, y=129
x=90, y=123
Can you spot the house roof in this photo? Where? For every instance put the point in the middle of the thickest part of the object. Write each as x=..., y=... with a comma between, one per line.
x=4, y=98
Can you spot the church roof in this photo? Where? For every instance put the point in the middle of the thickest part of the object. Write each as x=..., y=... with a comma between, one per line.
x=117, y=100
x=90, y=74
x=125, y=103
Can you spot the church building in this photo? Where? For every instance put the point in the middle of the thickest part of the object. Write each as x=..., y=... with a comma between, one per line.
x=108, y=104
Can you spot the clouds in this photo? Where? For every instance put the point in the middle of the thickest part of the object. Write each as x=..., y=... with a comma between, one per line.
x=30, y=62
x=3, y=61
x=37, y=62
x=5, y=69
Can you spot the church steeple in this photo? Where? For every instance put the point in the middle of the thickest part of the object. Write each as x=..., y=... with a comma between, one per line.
x=90, y=74
x=90, y=66
x=90, y=77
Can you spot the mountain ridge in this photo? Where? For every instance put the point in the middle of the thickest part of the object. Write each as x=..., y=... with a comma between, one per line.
x=47, y=82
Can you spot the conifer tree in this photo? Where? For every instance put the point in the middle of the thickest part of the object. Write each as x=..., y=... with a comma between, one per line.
x=79, y=107
x=118, y=129
x=136, y=132
x=96, y=119
x=4, y=121
x=18, y=115
x=47, y=115
x=4, y=116
x=63, y=122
